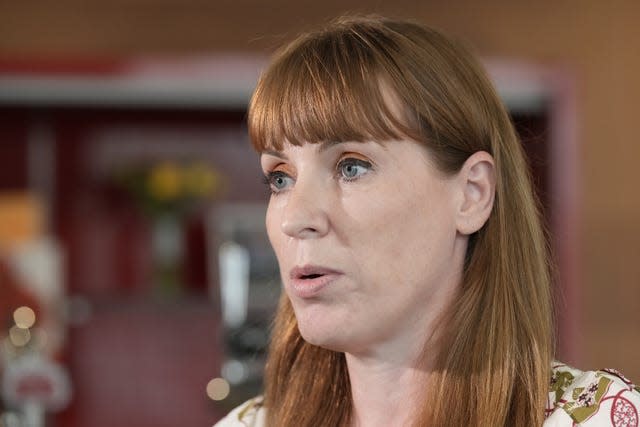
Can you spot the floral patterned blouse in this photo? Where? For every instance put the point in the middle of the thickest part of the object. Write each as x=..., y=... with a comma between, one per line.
x=576, y=399
x=591, y=399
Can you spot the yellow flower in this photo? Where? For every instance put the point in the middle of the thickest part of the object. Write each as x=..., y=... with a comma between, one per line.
x=164, y=183
x=200, y=180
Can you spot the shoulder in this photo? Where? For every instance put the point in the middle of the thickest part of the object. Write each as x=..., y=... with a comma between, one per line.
x=250, y=414
x=591, y=398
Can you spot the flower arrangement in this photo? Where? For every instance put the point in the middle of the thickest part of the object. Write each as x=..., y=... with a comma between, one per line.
x=169, y=187
x=166, y=191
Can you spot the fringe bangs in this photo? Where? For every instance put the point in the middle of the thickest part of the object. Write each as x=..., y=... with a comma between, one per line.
x=325, y=93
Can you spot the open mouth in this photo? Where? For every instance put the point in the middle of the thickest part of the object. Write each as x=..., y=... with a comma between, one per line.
x=308, y=281
x=310, y=272
x=311, y=276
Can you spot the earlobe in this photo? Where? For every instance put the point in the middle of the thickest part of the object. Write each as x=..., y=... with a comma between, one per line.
x=477, y=183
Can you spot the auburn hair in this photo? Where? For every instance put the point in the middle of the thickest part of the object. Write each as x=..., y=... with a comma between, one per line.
x=332, y=85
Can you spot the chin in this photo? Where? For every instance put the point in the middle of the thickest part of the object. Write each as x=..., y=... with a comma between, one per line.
x=326, y=326
x=330, y=337
x=320, y=334
x=329, y=343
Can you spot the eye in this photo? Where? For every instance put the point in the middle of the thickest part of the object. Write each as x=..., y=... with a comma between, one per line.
x=278, y=181
x=351, y=168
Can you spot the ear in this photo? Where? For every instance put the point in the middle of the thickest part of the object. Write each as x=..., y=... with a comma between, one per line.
x=477, y=184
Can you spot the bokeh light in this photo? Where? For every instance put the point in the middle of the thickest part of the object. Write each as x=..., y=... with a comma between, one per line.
x=234, y=371
x=24, y=317
x=218, y=389
x=19, y=337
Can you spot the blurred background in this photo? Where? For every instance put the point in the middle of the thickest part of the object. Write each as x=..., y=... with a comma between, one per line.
x=136, y=282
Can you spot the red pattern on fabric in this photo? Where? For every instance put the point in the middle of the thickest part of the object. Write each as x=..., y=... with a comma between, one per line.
x=623, y=412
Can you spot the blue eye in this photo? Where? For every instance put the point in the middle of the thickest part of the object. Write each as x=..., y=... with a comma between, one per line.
x=351, y=169
x=278, y=181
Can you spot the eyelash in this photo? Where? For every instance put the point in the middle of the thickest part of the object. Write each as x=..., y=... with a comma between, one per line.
x=269, y=177
x=268, y=180
x=355, y=162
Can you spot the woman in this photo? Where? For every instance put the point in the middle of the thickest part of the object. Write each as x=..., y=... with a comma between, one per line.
x=414, y=266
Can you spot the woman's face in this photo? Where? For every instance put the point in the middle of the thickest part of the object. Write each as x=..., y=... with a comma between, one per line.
x=366, y=240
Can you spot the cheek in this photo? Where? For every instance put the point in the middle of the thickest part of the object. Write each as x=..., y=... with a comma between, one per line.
x=405, y=230
x=280, y=242
x=272, y=225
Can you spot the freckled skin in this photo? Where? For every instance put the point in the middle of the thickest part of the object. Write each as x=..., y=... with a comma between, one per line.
x=391, y=233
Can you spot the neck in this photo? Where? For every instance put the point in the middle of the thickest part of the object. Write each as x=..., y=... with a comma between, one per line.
x=390, y=378
x=385, y=392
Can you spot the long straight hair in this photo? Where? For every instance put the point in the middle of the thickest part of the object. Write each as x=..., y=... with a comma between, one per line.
x=332, y=85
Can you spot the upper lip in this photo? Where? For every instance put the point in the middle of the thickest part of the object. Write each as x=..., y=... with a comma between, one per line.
x=310, y=270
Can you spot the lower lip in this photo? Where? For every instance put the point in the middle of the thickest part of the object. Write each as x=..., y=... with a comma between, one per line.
x=309, y=288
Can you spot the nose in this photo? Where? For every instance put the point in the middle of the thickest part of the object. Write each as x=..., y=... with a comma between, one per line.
x=306, y=213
